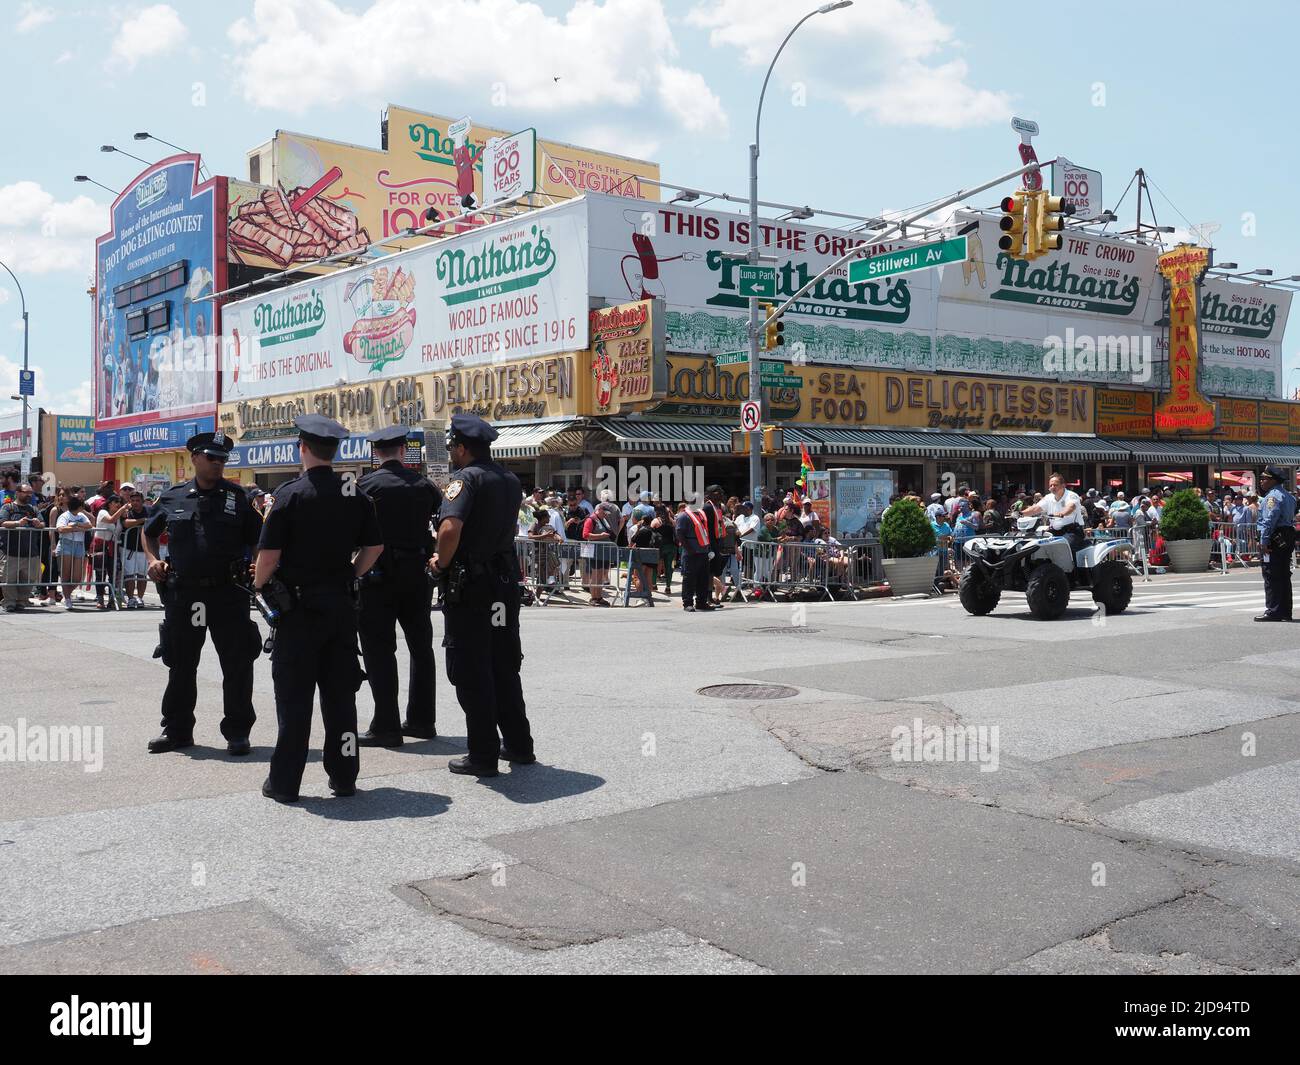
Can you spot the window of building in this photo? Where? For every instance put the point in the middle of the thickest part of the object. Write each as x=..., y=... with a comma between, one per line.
x=135, y=325
x=158, y=317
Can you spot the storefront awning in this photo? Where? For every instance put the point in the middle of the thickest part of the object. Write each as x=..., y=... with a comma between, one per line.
x=526, y=441
x=1033, y=447
x=1262, y=454
x=644, y=434
x=1193, y=452
x=898, y=443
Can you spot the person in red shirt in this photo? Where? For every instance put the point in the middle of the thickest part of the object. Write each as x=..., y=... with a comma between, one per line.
x=602, y=528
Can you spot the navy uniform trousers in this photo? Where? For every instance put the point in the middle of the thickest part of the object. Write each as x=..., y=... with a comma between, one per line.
x=1277, y=584
x=483, y=663
x=695, y=578
x=402, y=598
x=316, y=647
x=237, y=640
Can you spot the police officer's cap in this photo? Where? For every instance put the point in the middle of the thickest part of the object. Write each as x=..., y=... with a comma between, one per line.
x=215, y=444
x=469, y=428
x=318, y=425
x=389, y=435
x=1275, y=473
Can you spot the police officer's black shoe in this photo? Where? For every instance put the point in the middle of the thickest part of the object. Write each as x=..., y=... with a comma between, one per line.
x=240, y=746
x=517, y=759
x=379, y=739
x=342, y=791
x=164, y=743
x=466, y=767
x=278, y=796
x=422, y=732
x=1270, y=617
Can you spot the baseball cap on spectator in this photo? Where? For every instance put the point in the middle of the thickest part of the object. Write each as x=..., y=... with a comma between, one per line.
x=747, y=504
x=641, y=511
x=126, y=486
x=935, y=497
x=647, y=496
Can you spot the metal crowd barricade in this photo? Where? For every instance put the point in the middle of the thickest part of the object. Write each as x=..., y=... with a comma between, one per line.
x=550, y=569
x=1234, y=543
x=24, y=565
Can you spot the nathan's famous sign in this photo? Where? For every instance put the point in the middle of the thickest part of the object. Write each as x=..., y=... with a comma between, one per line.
x=513, y=290
x=1184, y=408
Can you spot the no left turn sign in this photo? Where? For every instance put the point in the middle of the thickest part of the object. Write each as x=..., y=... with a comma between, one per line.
x=750, y=416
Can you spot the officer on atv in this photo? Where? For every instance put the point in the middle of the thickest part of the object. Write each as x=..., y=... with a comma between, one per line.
x=1064, y=511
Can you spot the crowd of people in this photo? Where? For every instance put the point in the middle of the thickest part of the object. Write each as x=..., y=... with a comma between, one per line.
x=659, y=532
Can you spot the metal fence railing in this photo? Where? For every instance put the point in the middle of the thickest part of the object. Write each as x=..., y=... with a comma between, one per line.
x=43, y=566
x=823, y=569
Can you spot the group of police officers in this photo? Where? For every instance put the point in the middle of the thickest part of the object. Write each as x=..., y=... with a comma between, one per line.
x=338, y=562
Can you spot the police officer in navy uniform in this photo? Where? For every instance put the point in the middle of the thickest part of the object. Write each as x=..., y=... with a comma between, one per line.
x=476, y=563
x=397, y=592
x=210, y=528
x=1276, y=542
x=318, y=538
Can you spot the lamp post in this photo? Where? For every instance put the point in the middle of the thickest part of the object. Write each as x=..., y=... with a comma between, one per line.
x=22, y=299
x=755, y=379
x=83, y=178
x=115, y=148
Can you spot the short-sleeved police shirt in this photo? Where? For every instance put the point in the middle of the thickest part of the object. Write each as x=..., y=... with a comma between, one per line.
x=405, y=503
x=207, y=528
x=485, y=496
x=318, y=526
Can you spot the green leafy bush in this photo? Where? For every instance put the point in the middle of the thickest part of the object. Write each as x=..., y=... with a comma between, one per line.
x=1184, y=517
x=905, y=531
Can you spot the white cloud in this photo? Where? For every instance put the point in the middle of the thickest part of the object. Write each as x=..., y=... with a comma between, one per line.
x=32, y=16
x=76, y=400
x=594, y=62
x=65, y=56
x=146, y=34
x=39, y=234
x=887, y=59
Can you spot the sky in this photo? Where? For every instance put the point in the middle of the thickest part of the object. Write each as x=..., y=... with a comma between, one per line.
x=880, y=106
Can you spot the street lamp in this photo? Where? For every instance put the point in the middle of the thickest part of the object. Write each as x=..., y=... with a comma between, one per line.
x=82, y=177
x=114, y=148
x=27, y=451
x=147, y=136
x=755, y=378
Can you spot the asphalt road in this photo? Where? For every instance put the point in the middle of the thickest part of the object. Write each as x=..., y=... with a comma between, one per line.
x=1116, y=795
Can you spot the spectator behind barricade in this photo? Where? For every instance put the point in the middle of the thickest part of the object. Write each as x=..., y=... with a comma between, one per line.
x=96, y=502
x=20, y=563
x=1121, y=515
x=524, y=516
x=992, y=522
x=556, y=517
x=600, y=528
x=8, y=486
x=807, y=515
x=542, y=529
x=934, y=510
x=747, y=522
x=728, y=547
x=107, y=531
x=135, y=562
x=573, y=522
x=72, y=526
x=580, y=495
x=645, y=539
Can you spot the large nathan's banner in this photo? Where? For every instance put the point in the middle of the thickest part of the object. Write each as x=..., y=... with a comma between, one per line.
x=690, y=259
x=512, y=290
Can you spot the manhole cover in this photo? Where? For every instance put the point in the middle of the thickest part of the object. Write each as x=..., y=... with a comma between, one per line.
x=748, y=691
x=788, y=630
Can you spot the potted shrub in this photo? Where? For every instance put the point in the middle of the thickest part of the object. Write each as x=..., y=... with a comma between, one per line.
x=1185, y=528
x=907, y=538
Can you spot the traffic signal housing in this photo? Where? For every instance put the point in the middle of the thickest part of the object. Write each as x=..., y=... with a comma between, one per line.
x=774, y=330
x=773, y=440
x=1012, y=224
x=1049, y=221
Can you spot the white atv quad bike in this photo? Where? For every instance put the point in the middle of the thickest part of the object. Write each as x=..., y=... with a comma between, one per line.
x=1041, y=564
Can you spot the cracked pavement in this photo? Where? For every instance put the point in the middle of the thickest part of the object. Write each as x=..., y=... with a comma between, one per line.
x=1139, y=817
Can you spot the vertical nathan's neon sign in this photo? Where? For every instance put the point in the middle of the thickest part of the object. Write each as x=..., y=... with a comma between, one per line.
x=1184, y=408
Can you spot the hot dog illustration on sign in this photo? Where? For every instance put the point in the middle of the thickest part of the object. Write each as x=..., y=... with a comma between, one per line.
x=644, y=282
x=462, y=155
x=385, y=320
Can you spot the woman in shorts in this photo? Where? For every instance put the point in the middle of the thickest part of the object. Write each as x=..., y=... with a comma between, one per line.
x=71, y=529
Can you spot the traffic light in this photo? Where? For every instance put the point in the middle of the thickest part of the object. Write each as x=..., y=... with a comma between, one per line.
x=1012, y=225
x=1049, y=221
x=739, y=442
x=774, y=331
x=773, y=440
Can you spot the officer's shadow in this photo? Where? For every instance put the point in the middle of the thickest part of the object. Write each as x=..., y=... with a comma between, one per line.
x=540, y=783
x=376, y=804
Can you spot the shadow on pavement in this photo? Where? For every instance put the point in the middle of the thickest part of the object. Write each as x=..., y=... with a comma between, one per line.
x=540, y=783
x=376, y=804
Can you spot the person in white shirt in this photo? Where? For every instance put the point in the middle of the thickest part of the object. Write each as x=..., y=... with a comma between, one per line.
x=1063, y=509
x=747, y=522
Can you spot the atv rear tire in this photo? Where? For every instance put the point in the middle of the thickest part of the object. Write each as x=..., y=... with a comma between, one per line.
x=978, y=594
x=1048, y=591
x=1112, y=587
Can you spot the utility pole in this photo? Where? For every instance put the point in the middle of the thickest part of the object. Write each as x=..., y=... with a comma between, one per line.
x=27, y=451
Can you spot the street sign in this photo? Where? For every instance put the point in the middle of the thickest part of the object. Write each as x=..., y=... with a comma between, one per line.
x=27, y=382
x=750, y=415
x=757, y=280
x=781, y=380
x=922, y=257
x=730, y=358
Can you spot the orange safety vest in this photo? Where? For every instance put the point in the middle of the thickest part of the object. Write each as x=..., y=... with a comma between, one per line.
x=701, y=530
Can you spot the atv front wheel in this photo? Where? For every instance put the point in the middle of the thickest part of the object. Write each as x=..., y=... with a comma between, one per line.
x=1112, y=586
x=1048, y=591
x=977, y=592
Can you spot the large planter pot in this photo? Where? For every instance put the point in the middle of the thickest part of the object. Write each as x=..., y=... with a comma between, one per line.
x=911, y=576
x=1189, y=556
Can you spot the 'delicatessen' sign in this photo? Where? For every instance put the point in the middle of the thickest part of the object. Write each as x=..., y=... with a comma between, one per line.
x=1184, y=408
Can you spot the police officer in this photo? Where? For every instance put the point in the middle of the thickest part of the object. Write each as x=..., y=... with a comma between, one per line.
x=397, y=591
x=319, y=536
x=475, y=561
x=1276, y=542
x=210, y=528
